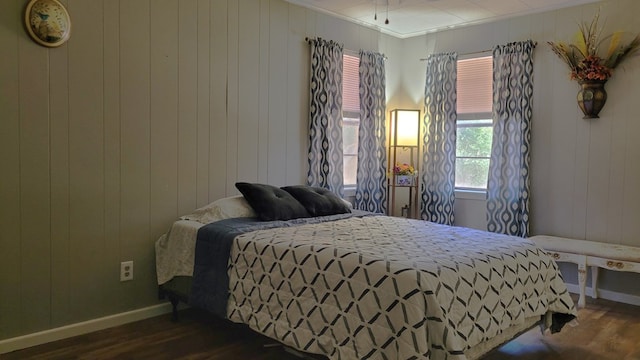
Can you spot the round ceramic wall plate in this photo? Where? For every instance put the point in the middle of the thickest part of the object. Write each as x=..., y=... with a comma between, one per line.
x=47, y=22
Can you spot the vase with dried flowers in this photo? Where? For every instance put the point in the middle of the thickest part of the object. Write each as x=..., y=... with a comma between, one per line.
x=589, y=67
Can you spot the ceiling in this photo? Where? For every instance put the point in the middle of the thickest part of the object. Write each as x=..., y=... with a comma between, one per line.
x=417, y=17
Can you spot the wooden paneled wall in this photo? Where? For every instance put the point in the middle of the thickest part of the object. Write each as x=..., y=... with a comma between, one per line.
x=153, y=108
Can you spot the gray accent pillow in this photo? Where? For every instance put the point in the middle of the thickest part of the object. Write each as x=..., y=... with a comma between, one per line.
x=318, y=201
x=271, y=203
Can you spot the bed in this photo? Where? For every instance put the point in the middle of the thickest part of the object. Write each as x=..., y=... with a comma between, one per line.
x=325, y=279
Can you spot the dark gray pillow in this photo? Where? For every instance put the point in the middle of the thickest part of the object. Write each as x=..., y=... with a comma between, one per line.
x=318, y=201
x=271, y=203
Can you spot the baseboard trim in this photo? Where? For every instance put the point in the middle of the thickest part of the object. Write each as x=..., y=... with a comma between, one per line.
x=85, y=327
x=63, y=332
x=607, y=294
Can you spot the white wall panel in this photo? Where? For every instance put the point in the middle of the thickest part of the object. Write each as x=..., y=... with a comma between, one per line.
x=297, y=101
x=135, y=146
x=112, y=156
x=203, y=21
x=10, y=236
x=164, y=130
x=218, y=78
x=187, y=108
x=60, y=183
x=34, y=186
x=248, y=91
x=233, y=93
x=86, y=161
x=278, y=65
x=263, y=88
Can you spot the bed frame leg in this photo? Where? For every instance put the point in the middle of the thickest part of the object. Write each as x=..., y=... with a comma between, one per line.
x=174, y=311
x=175, y=300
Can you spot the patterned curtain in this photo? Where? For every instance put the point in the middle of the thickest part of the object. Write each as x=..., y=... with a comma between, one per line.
x=371, y=190
x=439, y=139
x=508, y=189
x=325, y=117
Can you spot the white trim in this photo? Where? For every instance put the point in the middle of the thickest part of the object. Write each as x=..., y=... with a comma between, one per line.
x=349, y=191
x=607, y=294
x=469, y=194
x=85, y=327
x=63, y=332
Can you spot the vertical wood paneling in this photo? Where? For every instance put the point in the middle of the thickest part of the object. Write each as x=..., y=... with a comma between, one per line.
x=204, y=105
x=597, y=199
x=163, y=135
x=542, y=124
x=627, y=196
x=581, y=177
x=114, y=292
x=233, y=95
x=616, y=171
x=563, y=144
x=263, y=85
x=218, y=116
x=86, y=169
x=10, y=255
x=622, y=207
x=187, y=105
x=278, y=64
x=60, y=183
x=164, y=129
x=35, y=201
x=248, y=73
x=582, y=147
x=297, y=97
x=135, y=143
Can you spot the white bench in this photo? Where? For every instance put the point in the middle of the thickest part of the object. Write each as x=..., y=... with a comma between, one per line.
x=590, y=253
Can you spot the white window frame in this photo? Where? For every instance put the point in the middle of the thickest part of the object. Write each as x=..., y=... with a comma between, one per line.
x=350, y=117
x=463, y=121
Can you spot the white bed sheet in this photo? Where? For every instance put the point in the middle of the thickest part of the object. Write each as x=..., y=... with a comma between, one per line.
x=175, y=250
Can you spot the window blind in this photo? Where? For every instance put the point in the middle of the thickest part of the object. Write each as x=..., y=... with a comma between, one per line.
x=350, y=84
x=475, y=85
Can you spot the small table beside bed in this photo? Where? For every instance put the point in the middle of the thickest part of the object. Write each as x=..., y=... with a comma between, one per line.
x=298, y=265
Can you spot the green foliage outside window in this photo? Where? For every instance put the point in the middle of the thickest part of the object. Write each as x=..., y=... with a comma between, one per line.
x=473, y=149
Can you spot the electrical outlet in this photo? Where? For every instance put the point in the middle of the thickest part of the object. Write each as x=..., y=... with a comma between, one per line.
x=126, y=270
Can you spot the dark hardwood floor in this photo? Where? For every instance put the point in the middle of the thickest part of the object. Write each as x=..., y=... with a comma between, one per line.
x=606, y=330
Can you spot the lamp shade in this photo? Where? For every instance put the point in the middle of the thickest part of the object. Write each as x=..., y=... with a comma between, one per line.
x=405, y=125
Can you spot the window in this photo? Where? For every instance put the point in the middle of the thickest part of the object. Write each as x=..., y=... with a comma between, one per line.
x=350, y=117
x=474, y=125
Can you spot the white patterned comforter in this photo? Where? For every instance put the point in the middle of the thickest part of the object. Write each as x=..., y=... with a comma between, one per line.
x=389, y=288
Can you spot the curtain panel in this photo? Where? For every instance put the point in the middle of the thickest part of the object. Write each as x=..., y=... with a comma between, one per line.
x=371, y=189
x=439, y=140
x=325, y=117
x=508, y=188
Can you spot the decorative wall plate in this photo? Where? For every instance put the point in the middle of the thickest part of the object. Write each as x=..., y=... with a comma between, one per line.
x=47, y=22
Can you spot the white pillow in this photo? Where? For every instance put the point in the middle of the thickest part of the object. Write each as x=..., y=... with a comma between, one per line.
x=225, y=208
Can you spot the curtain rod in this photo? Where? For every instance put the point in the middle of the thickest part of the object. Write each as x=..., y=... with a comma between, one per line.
x=308, y=39
x=535, y=43
x=465, y=54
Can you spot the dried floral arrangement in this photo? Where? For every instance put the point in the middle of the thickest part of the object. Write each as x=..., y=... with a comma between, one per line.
x=584, y=56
